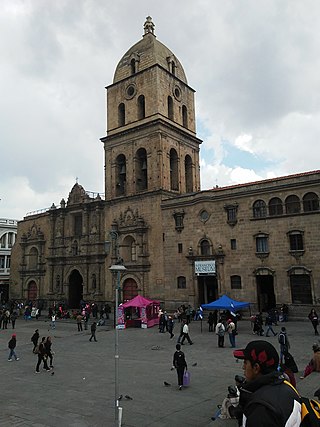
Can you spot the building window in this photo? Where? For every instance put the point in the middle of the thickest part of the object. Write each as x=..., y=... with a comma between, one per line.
x=174, y=176
x=141, y=170
x=121, y=114
x=235, y=282
x=310, y=202
x=133, y=66
x=141, y=107
x=301, y=289
x=178, y=217
x=205, y=247
x=33, y=258
x=262, y=244
x=292, y=205
x=180, y=248
x=184, y=116
x=259, y=209
x=78, y=225
x=129, y=249
x=3, y=241
x=296, y=240
x=121, y=173
x=170, y=108
x=8, y=262
x=181, y=282
x=275, y=206
x=188, y=173
x=232, y=211
x=233, y=244
x=2, y=262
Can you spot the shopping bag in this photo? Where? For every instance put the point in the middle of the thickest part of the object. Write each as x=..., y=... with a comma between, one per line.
x=186, y=378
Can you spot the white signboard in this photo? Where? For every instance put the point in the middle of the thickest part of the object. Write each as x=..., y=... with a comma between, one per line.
x=205, y=267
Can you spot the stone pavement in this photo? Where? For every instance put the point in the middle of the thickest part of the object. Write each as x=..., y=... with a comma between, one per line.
x=81, y=391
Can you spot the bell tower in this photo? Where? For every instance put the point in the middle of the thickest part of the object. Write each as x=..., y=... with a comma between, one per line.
x=151, y=142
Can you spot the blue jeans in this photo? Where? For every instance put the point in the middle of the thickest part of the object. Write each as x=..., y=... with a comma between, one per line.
x=270, y=328
x=232, y=339
x=12, y=353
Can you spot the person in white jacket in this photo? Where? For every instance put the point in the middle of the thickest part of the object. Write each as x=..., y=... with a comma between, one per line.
x=220, y=331
x=185, y=333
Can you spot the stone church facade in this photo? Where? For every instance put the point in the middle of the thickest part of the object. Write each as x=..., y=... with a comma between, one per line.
x=257, y=242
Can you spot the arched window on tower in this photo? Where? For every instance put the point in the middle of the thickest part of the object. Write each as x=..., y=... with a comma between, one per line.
x=173, y=68
x=141, y=170
x=133, y=66
x=184, y=116
x=170, y=108
x=121, y=175
x=188, y=174
x=121, y=114
x=174, y=176
x=141, y=107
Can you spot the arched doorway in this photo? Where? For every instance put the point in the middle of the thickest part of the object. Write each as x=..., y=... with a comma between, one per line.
x=130, y=289
x=32, y=291
x=265, y=289
x=75, y=289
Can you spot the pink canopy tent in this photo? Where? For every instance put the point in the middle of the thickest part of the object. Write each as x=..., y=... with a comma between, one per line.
x=144, y=313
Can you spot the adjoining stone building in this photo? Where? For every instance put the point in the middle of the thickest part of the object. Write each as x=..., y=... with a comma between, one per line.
x=8, y=232
x=257, y=242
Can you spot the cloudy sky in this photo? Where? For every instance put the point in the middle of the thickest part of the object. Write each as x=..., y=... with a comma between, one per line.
x=255, y=66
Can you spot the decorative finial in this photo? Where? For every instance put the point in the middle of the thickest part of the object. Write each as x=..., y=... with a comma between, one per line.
x=77, y=180
x=148, y=26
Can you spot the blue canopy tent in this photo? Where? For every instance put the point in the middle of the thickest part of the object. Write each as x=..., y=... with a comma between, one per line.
x=225, y=303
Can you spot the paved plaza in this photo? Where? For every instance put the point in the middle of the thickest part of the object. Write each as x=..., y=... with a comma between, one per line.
x=80, y=393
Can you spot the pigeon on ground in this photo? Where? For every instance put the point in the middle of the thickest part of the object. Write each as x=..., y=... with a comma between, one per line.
x=128, y=397
x=194, y=364
x=52, y=373
x=120, y=397
x=166, y=384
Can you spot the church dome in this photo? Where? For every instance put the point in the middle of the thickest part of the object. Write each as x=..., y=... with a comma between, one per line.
x=146, y=53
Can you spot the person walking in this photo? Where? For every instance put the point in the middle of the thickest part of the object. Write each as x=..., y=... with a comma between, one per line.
x=220, y=331
x=13, y=318
x=42, y=357
x=265, y=398
x=231, y=329
x=53, y=321
x=35, y=339
x=93, y=331
x=314, y=319
x=49, y=353
x=185, y=333
x=79, y=322
x=284, y=344
x=269, y=323
x=210, y=321
x=12, y=345
x=170, y=326
x=180, y=364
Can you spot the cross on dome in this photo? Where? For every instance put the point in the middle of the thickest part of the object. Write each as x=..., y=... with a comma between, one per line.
x=148, y=26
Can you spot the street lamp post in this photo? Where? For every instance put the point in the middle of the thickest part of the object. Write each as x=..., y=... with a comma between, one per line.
x=117, y=268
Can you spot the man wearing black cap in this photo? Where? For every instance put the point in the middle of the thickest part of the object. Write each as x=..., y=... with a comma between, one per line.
x=265, y=399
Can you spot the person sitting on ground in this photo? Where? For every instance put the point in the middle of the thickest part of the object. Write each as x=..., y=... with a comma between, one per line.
x=314, y=364
x=266, y=400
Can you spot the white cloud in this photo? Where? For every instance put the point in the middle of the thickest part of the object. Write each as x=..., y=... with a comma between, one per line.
x=255, y=67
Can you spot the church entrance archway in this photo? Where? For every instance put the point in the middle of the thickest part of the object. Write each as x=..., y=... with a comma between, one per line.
x=32, y=291
x=130, y=289
x=75, y=289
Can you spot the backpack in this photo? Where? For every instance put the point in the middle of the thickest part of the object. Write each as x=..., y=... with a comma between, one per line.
x=310, y=410
x=221, y=331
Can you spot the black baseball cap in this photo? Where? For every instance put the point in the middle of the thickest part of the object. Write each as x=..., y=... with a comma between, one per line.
x=261, y=352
